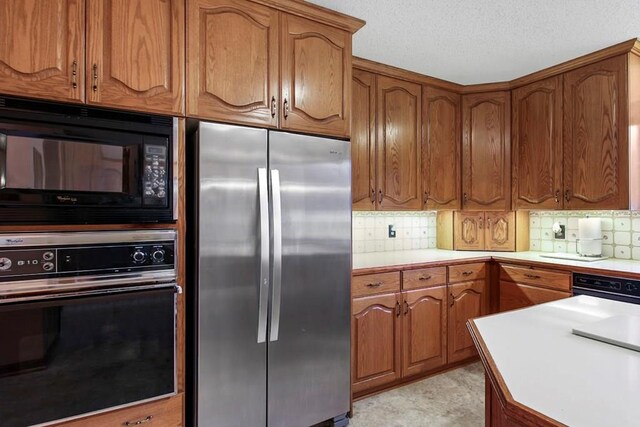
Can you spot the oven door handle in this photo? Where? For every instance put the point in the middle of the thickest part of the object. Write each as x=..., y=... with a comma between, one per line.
x=12, y=298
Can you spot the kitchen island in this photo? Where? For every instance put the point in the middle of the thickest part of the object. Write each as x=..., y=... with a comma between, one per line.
x=538, y=373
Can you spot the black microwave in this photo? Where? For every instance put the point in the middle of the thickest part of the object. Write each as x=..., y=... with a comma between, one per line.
x=71, y=164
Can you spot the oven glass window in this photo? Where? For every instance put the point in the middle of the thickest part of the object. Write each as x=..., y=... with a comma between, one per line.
x=68, y=357
x=53, y=164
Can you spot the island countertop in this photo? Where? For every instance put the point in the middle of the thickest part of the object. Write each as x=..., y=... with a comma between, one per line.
x=544, y=374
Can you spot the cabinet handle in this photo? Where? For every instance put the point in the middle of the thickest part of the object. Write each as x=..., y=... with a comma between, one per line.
x=286, y=108
x=489, y=223
x=406, y=308
x=557, y=196
x=138, y=422
x=567, y=195
x=374, y=285
x=397, y=309
x=379, y=197
x=424, y=278
x=426, y=198
x=532, y=276
x=467, y=273
x=480, y=223
x=273, y=106
x=373, y=196
x=452, y=300
x=74, y=74
x=95, y=77
x=465, y=198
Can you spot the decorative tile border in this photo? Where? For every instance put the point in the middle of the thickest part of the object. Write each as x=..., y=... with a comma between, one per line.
x=414, y=230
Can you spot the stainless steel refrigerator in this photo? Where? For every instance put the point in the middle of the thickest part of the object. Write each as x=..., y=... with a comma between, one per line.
x=271, y=267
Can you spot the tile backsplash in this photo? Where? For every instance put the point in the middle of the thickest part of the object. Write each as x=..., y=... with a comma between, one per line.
x=620, y=232
x=414, y=230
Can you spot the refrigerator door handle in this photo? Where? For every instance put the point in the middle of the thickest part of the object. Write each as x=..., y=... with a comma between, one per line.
x=277, y=254
x=263, y=194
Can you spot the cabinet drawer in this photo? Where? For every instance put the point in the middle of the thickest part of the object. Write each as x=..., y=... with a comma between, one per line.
x=466, y=272
x=530, y=276
x=515, y=295
x=424, y=277
x=161, y=413
x=370, y=284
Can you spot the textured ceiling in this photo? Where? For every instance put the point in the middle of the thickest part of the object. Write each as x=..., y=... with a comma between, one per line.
x=481, y=41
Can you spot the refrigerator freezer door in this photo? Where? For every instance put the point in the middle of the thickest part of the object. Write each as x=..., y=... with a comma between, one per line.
x=231, y=364
x=309, y=353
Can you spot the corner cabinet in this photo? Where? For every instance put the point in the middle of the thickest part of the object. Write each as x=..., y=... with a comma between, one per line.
x=42, y=49
x=399, y=171
x=251, y=63
x=596, y=132
x=363, y=141
x=491, y=231
x=440, y=148
x=135, y=54
x=486, y=151
x=537, y=145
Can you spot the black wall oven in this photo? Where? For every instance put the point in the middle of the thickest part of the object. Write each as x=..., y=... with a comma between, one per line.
x=87, y=323
x=66, y=164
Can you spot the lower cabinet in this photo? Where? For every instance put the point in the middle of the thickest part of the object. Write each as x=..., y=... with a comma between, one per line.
x=466, y=301
x=518, y=295
x=522, y=286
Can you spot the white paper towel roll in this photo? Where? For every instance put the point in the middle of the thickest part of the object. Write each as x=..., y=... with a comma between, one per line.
x=590, y=235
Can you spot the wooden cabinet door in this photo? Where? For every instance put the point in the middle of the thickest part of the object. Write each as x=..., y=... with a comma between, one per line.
x=375, y=341
x=486, y=151
x=42, y=49
x=135, y=54
x=466, y=300
x=500, y=231
x=316, y=77
x=595, y=136
x=363, y=143
x=232, y=61
x=398, y=145
x=536, y=143
x=441, y=148
x=518, y=295
x=468, y=231
x=424, y=330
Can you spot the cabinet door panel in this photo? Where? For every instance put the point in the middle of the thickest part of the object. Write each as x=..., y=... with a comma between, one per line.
x=486, y=151
x=398, y=145
x=375, y=334
x=595, y=140
x=441, y=148
x=41, y=44
x=233, y=61
x=135, y=54
x=424, y=330
x=316, y=77
x=467, y=300
x=363, y=145
x=468, y=231
x=500, y=231
x=537, y=145
x=517, y=295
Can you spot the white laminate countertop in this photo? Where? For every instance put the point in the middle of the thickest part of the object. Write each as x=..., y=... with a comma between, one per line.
x=398, y=258
x=571, y=379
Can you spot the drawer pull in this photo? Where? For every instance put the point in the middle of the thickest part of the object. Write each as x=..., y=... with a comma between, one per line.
x=137, y=423
x=467, y=273
x=424, y=278
x=532, y=276
x=374, y=285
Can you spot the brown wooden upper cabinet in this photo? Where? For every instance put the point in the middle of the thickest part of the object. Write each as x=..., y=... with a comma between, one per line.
x=596, y=170
x=491, y=231
x=440, y=148
x=399, y=162
x=249, y=63
x=537, y=145
x=486, y=151
x=42, y=49
x=135, y=54
x=363, y=140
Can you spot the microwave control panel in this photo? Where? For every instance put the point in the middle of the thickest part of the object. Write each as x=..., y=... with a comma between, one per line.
x=155, y=180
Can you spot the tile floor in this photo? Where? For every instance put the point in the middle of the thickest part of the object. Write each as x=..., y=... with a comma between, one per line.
x=454, y=398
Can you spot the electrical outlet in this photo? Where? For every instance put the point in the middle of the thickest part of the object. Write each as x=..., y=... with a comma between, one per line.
x=392, y=231
x=561, y=234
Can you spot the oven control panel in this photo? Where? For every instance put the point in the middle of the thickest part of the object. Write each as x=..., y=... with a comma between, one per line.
x=24, y=263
